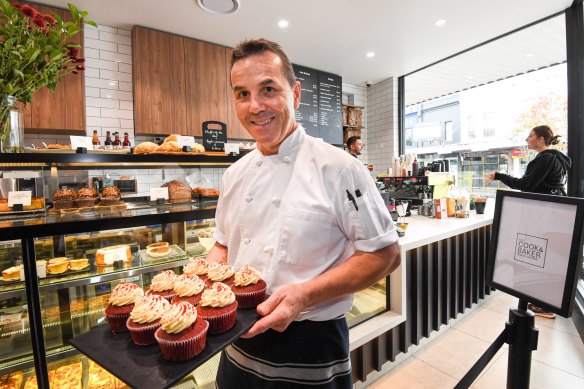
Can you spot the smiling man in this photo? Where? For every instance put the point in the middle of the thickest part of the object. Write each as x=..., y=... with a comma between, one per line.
x=309, y=218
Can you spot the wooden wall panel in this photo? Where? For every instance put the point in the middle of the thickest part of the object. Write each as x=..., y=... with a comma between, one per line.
x=234, y=127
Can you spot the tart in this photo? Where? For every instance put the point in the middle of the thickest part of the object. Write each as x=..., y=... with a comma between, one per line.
x=219, y=307
x=12, y=380
x=78, y=264
x=156, y=245
x=58, y=265
x=158, y=252
x=182, y=335
x=12, y=273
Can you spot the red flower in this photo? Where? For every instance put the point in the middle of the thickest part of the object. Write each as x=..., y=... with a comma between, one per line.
x=39, y=22
x=80, y=67
x=16, y=5
x=73, y=51
x=29, y=11
x=49, y=19
x=79, y=60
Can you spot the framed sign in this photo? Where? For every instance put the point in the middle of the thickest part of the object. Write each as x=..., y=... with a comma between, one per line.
x=536, y=248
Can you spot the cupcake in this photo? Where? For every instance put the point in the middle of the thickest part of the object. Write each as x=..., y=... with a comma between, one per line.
x=64, y=198
x=86, y=197
x=220, y=272
x=188, y=287
x=182, y=335
x=163, y=284
x=248, y=287
x=218, y=307
x=121, y=303
x=144, y=319
x=198, y=267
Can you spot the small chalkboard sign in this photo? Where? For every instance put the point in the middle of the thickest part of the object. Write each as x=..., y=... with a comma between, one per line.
x=214, y=135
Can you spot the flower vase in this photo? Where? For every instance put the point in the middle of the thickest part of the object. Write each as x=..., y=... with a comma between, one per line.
x=11, y=126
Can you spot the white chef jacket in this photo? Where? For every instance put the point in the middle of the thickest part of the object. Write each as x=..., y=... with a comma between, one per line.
x=289, y=215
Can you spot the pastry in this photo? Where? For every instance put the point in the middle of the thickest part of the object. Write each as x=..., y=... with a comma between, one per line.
x=68, y=376
x=170, y=146
x=145, y=148
x=12, y=380
x=163, y=284
x=58, y=146
x=87, y=197
x=110, y=195
x=78, y=264
x=178, y=191
x=219, y=307
x=220, y=272
x=248, y=287
x=4, y=205
x=188, y=287
x=171, y=138
x=121, y=303
x=12, y=273
x=64, y=198
x=182, y=335
x=158, y=252
x=156, y=245
x=144, y=319
x=197, y=148
x=57, y=265
x=98, y=377
x=106, y=256
x=31, y=382
x=206, y=191
x=35, y=203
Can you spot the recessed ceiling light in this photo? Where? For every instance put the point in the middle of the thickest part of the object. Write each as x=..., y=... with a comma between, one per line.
x=529, y=55
x=370, y=54
x=219, y=6
x=283, y=23
x=440, y=22
x=470, y=77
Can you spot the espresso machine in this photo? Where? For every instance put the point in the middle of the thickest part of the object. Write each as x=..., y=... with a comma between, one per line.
x=417, y=190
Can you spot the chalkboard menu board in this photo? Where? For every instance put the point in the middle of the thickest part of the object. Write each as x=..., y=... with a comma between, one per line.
x=320, y=110
x=214, y=135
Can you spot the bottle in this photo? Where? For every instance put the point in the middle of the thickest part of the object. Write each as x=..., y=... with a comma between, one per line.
x=117, y=144
x=108, y=141
x=95, y=140
x=415, y=168
x=126, y=143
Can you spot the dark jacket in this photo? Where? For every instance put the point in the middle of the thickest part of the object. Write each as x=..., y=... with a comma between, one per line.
x=545, y=174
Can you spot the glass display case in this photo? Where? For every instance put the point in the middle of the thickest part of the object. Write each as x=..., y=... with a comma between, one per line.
x=43, y=306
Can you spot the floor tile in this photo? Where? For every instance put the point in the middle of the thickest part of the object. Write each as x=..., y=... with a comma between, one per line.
x=414, y=374
x=484, y=324
x=560, y=350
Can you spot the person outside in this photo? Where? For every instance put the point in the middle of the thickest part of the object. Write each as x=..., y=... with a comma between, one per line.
x=355, y=145
x=310, y=219
x=544, y=174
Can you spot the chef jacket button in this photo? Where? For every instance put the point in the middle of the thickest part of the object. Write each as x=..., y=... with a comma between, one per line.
x=276, y=201
x=268, y=249
x=248, y=198
x=259, y=163
x=246, y=241
x=287, y=159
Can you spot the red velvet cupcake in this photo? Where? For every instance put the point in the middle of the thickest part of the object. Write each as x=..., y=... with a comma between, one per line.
x=121, y=303
x=163, y=284
x=248, y=287
x=182, y=335
x=218, y=307
x=188, y=287
x=198, y=267
x=220, y=272
x=145, y=319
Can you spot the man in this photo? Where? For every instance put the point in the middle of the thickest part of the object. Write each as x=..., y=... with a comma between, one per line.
x=310, y=219
x=355, y=145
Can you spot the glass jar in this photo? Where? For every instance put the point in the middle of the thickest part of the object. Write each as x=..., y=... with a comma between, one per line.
x=11, y=125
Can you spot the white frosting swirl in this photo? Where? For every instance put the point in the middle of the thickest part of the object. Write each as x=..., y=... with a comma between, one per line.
x=219, y=295
x=196, y=266
x=188, y=285
x=125, y=294
x=178, y=317
x=149, y=308
x=219, y=271
x=247, y=275
x=163, y=281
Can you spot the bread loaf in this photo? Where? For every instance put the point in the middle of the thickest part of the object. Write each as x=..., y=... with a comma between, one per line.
x=178, y=191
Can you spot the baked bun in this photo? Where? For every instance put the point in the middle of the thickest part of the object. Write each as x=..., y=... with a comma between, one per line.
x=110, y=191
x=65, y=194
x=171, y=138
x=146, y=148
x=171, y=146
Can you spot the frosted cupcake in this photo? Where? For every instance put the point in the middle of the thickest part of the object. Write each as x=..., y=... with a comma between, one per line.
x=163, y=284
x=182, y=335
x=248, y=287
x=145, y=319
x=121, y=303
x=220, y=272
x=188, y=287
x=198, y=267
x=218, y=307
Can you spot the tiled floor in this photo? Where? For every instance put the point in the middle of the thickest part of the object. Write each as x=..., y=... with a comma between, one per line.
x=440, y=363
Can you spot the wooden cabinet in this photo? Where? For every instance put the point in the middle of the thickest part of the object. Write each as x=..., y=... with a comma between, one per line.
x=179, y=83
x=64, y=109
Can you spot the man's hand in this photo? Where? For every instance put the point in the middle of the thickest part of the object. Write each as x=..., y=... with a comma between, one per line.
x=218, y=253
x=280, y=309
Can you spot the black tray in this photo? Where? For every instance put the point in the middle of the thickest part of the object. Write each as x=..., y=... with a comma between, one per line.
x=143, y=366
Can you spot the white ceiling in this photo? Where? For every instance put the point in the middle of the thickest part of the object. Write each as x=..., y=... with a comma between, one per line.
x=335, y=35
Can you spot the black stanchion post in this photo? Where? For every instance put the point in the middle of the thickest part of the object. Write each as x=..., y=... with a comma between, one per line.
x=522, y=340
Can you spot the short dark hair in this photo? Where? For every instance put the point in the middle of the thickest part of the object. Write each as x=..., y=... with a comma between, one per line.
x=250, y=47
x=351, y=141
x=547, y=133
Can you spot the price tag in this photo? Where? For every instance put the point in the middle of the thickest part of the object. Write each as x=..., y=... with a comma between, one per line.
x=186, y=141
x=19, y=197
x=231, y=148
x=81, y=141
x=158, y=193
